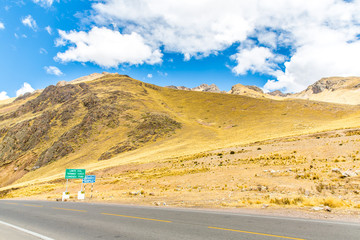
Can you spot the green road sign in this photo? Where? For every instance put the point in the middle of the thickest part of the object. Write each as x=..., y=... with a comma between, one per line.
x=74, y=173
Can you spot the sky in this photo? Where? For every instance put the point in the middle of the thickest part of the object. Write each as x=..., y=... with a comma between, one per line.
x=274, y=44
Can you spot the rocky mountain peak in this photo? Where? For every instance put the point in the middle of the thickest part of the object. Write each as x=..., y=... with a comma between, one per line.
x=206, y=88
x=279, y=93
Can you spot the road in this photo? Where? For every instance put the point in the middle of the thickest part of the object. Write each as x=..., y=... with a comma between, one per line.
x=73, y=220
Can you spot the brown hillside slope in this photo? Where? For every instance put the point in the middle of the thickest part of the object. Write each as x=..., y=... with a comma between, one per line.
x=344, y=90
x=115, y=120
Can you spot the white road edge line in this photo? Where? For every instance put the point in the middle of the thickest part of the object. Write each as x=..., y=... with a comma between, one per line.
x=26, y=231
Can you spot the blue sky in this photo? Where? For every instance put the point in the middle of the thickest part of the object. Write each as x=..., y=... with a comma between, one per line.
x=278, y=44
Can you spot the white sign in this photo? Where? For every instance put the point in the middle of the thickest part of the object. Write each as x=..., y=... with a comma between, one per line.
x=65, y=196
x=81, y=195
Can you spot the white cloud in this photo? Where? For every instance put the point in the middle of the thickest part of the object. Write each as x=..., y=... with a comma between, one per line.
x=107, y=48
x=45, y=3
x=29, y=22
x=24, y=89
x=2, y=26
x=22, y=36
x=3, y=95
x=163, y=74
x=256, y=59
x=53, y=70
x=322, y=36
x=48, y=29
x=149, y=75
x=43, y=51
x=190, y=27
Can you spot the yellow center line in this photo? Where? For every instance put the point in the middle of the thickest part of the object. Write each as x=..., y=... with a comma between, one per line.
x=151, y=219
x=263, y=234
x=68, y=209
x=30, y=205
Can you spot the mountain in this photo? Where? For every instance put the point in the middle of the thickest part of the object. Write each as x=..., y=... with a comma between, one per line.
x=279, y=93
x=113, y=119
x=344, y=90
x=251, y=91
x=207, y=88
x=179, y=87
x=202, y=88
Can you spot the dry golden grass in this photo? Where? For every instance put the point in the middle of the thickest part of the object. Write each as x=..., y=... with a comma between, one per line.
x=282, y=173
x=187, y=169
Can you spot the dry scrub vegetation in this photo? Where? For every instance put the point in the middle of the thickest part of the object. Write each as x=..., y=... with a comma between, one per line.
x=153, y=145
x=302, y=172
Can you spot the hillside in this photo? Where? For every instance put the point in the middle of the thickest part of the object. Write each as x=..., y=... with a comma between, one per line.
x=116, y=120
x=344, y=90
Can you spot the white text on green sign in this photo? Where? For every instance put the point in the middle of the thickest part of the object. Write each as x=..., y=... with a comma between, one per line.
x=75, y=173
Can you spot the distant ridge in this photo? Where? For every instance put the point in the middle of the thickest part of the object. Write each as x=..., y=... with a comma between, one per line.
x=202, y=88
x=344, y=90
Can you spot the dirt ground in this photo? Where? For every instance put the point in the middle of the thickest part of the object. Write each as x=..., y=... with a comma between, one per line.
x=312, y=176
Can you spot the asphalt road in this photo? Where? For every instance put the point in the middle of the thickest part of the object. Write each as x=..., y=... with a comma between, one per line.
x=70, y=220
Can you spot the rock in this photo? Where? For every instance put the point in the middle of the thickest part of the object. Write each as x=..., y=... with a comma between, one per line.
x=151, y=194
x=255, y=88
x=157, y=203
x=61, y=83
x=327, y=208
x=24, y=96
x=251, y=91
x=332, y=89
x=278, y=93
x=134, y=193
x=336, y=170
x=348, y=173
x=317, y=208
x=58, y=150
x=179, y=87
x=265, y=206
x=207, y=88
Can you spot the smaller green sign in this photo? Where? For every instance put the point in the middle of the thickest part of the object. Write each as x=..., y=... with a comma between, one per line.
x=74, y=173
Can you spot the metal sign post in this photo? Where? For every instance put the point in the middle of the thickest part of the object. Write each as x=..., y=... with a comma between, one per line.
x=92, y=187
x=89, y=179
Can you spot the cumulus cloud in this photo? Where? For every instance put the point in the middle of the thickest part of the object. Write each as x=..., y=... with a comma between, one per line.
x=2, y=26
x=24, y=89
x=53, y=70
x=45, y=3
x=192, y=28
x=256, y=59
x=321, y=37
x=3, y=95
x=149, y=75
x=107, y=48
x=30, y=22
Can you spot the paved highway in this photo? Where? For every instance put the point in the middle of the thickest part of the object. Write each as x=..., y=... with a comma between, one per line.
x=70, y=220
